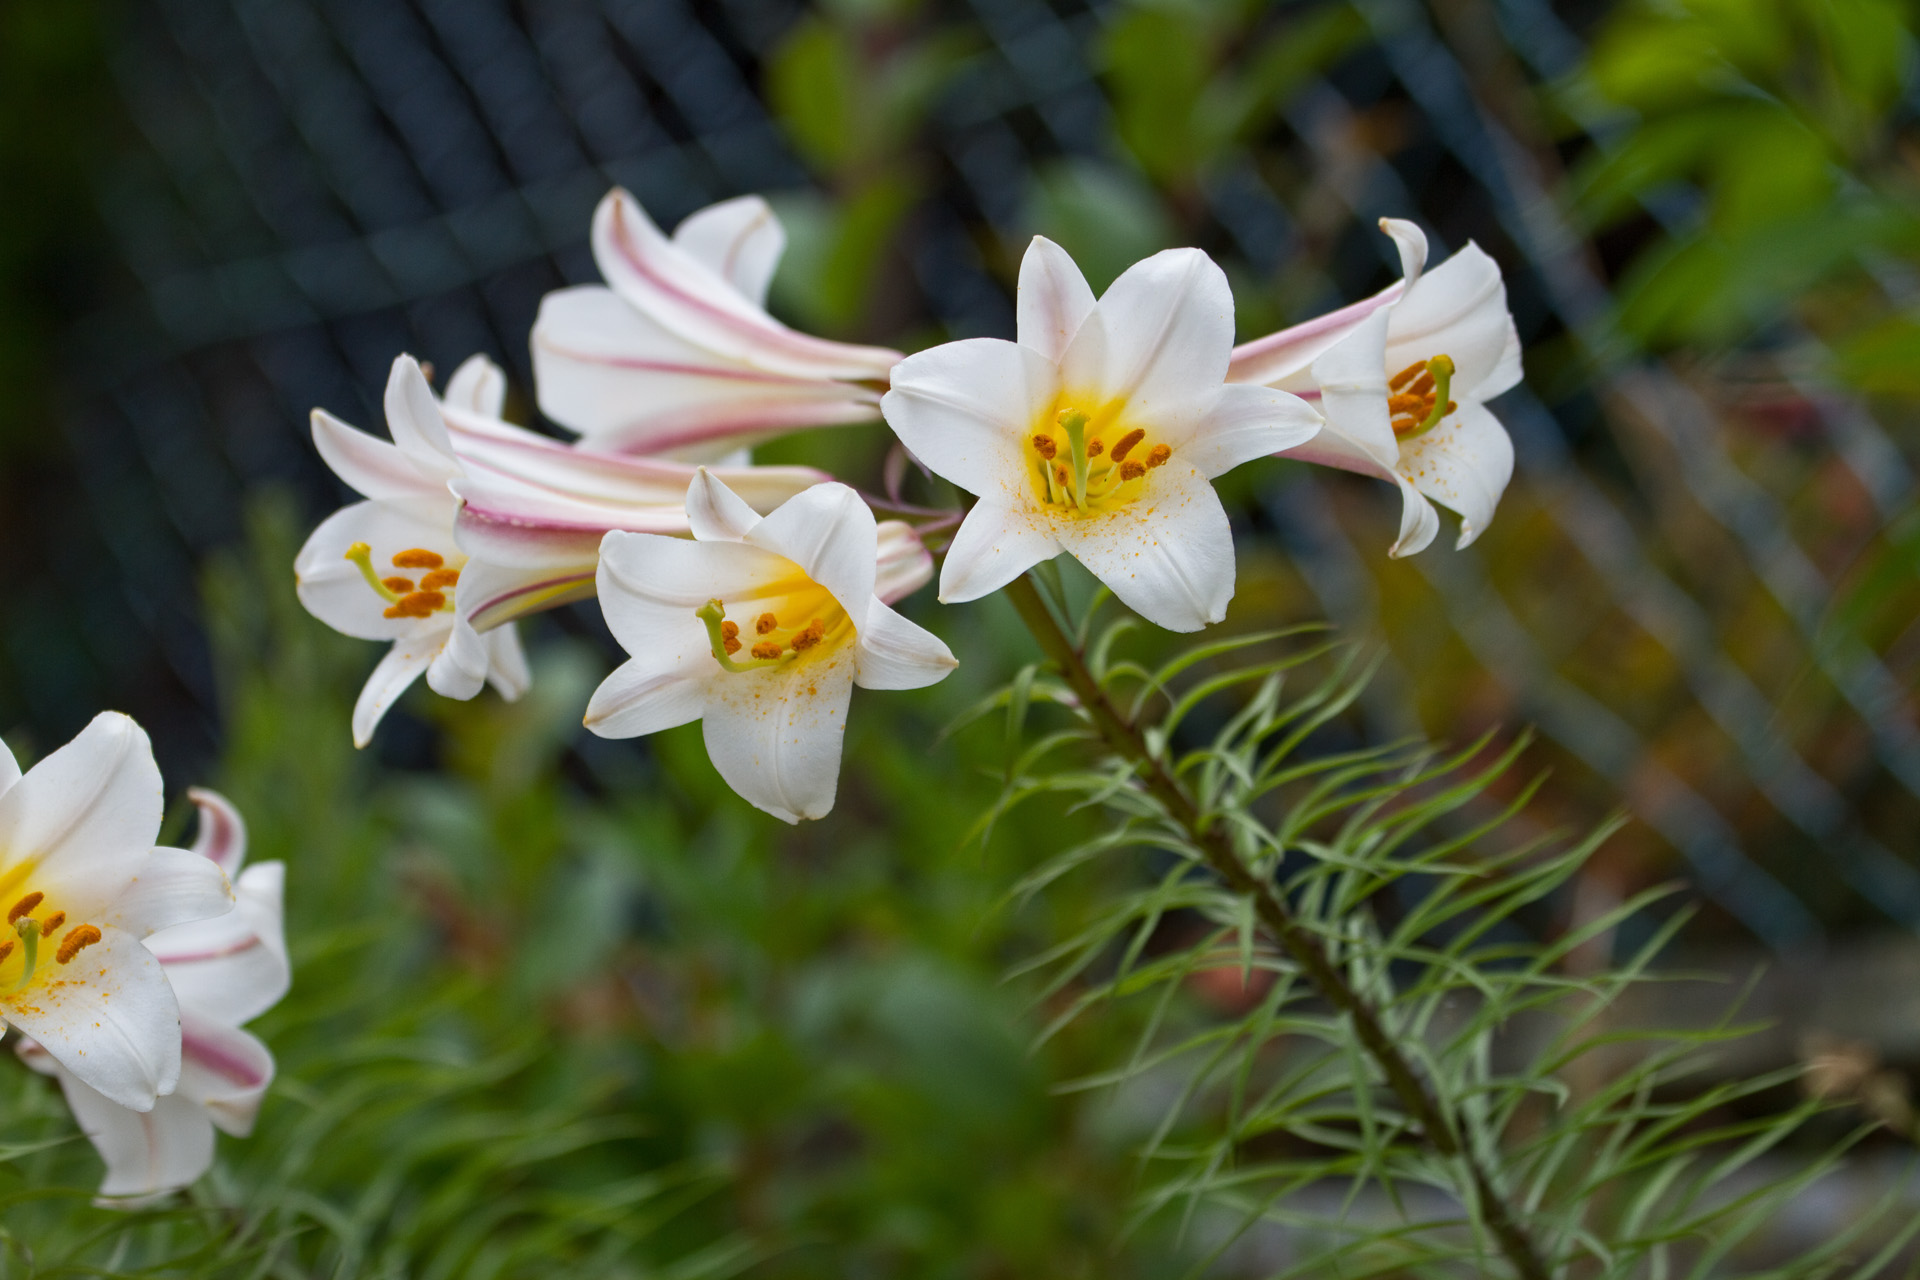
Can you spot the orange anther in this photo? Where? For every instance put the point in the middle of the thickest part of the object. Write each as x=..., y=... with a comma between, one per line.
x=1094, y=448
x=83, y=936
x=51, y=923
x=23, y=906
x=768, y=649
x=1158, y=455
x=1124, y=445
x=421, y=604
x=731, y=644
x=729, y=628
x=399, y=586
x=418, y=558
x=6, y=949
x=1403, y=425
x=810, y=637
x=439, y=578
x=1132, y=469
x=765, y=623
x=1045, y=447
x=1407, y=375
x=1422, y=385
x=1408, y=404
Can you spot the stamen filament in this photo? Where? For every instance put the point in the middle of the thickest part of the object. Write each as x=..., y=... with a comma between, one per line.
x=362, y=554
x=713, y=613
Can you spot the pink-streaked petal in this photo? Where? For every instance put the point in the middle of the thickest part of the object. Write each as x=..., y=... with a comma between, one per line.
x=994, y=545
x=148, y=1154
x=775, y=734
x=715, y=512
x=1249, y=422
x=830, y=533
x=224, y=1070
x=687, y=298
x=1054, y=299
x=493, y=595
x=109, y=1017
x=375, y=468
x=82, y=822
x=1282, y=359
x=504, y=529
x=478, y=386
x=1464, y=463
x=1331, y=449
x=413, y=416
x=651, y=692
x=404, y=663
x=739, y=240
x=1168, y=554
x=234, y=967
x=903, y=563
x=893, y=653
x=1159, y=338
x=608, y=372
x=222, y=835
x=332, y=588
x=965, y=409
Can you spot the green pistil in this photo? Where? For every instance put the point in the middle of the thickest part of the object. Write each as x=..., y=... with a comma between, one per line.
x=362, y=554
x=1441, y=367
x=1074, y=423
x=29, y=931
x=713, y=613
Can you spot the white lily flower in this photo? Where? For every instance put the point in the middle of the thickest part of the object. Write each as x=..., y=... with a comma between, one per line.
x=469, y=523
x=83, y=884
x=1098, y=433
x=759, y=629
x=1403, y=379
x=224, y=971
x=676, y=355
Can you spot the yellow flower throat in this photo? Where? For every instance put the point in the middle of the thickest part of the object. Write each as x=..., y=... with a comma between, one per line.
x=1082, y=465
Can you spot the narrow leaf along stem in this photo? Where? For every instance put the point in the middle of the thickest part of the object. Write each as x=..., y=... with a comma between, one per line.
x=1124, y=738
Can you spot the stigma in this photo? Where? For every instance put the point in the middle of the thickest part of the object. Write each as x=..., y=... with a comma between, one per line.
x=1081, y=466
x=405, y=597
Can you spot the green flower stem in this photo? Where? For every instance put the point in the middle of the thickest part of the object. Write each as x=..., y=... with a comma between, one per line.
x=1074, y=423
x=1299, y=942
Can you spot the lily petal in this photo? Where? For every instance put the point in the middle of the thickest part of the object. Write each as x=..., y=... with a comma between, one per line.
x=775, y=735
x=739, y=240
x=234, y=967
x=507, y=669
x=904, y=565
x=1418, y=521
x=403, y=664
x=1249, y=422
x=1169, y=560
x=148, y=1154
x=85, y=817
x=960, y=409
x=649, y=693
x=332, y=588
x=1054, y=299
x=111, y=1020
x=225, y=1071
x=222, y=835
x=715, y=513
x=893, y=653
x=459, y=670
x=1464, y=463
x=1460, y=308
x=413, y=416
x=1282, y=359
x=9, y=768
x=1353, y=390
x=994, y=545
x=477, y=386
x=169, y=887
x=374, y=467
x=1160, y=337
x=829, y=532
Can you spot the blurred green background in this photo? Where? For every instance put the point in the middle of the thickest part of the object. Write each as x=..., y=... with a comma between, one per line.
x=560, y=1000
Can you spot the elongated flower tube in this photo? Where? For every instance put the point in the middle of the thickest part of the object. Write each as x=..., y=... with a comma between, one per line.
x=469, y=523
x=1098, y=433
x=1403, y=379
x=759, y=629
x=676, y=355
x=224, y=971
x=83, y=884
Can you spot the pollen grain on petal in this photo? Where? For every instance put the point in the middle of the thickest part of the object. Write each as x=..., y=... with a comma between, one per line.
x=82, y=937
x=418, y=558
x=25, y=905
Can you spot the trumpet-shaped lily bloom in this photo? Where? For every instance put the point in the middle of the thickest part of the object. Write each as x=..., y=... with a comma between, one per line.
x=224, y=971
x=1403, y=378
x=759, y=628
x=1098, y=433
x=83, y=884
x=469, y=523
x=676, y=354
